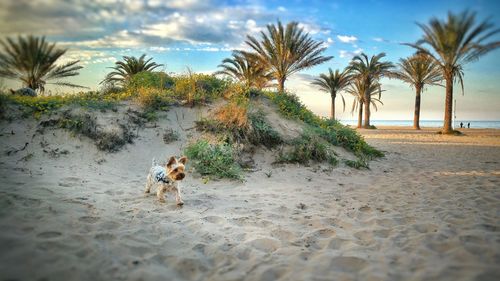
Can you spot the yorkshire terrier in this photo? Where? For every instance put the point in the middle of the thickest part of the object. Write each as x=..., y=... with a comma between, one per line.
x=166, y=178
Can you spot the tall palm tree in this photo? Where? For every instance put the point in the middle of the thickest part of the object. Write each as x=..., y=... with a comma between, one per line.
x=455, y=42
x=369, y=71
x=287, y=50
x=124, y=70
x=246, y=68
x=419, y=70
x=358, y=90
x=333, y=83
x=33, y=61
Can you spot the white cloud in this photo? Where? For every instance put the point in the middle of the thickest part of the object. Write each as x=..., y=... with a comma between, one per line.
x=282, y=9
x=350, y=54
x=347, y=38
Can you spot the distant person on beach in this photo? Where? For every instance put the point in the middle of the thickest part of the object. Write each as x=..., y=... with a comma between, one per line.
x=461, y=125
x=468, y=125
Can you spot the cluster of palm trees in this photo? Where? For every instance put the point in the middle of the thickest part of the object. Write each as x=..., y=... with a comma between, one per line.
x=361, y=78
x=440, y=55
x=280, y=52
x=445, y=47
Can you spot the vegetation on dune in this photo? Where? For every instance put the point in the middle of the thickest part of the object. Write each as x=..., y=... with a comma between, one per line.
x=333, y=83
x=368, y=72
x=197, y=88
x=124, y=70
x=33, y=61
x=233, y=122
x=152, y=91
x=214, y=159
x=419, y=70
x=306, y=148
x=85, y=125
x=331, y=130
x=247, y=69
x=285, y=50
x=452, y=43
x=37, y=106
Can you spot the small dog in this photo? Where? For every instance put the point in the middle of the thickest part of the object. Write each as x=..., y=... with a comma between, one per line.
x=166, y=178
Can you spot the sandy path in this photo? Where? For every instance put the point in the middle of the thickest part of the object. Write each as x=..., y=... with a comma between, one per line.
x=427, y=211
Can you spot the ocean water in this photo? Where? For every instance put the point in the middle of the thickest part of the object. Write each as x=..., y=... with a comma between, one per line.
x=429, y=123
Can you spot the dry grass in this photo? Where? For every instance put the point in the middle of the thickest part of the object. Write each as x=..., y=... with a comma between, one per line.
x=232, y=116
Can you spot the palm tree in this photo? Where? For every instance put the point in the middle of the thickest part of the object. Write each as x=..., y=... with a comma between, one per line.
x=287, y=50
x=33, y=61
x=369, y=71
x=124, y=70
x=333, y=83
x=246, y=68
x=419, y=70
x=455, y=41
x=358, y=89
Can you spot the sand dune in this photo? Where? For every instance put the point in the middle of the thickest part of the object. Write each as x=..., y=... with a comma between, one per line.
x=427, y=211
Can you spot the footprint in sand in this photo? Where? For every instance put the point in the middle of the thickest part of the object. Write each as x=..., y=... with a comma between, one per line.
x=365, y=237
x=214, y=219
x=105, y=236
x=382, y=233
x=425, y=228
x=88, y=219
x=265, y=244
x=349, y=264
x=70, y=181
x=200, y=248
x=339, y=244
x=49, y=234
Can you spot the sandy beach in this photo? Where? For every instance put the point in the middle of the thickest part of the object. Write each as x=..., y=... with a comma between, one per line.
x=429, y=210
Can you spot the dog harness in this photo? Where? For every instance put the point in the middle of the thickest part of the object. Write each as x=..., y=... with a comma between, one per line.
x=160, y=174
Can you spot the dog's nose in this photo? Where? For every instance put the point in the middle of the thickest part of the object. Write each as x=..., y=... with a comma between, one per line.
x=180, y=176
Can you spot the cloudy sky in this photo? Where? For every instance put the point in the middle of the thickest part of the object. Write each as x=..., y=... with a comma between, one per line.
x=199, y=33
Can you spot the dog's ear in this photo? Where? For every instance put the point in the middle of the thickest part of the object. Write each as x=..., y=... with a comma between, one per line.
x=171, y=162
x=183, y=160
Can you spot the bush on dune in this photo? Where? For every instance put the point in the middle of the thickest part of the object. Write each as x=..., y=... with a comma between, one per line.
x=308, y=147
x=233, y=121
x=36, y=106
x=218, y=159
x=331, y=130
x=195, y=88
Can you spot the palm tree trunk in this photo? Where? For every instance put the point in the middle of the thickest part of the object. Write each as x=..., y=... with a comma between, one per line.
x=332, y=113
x=367, y=109
x=448, y=105
x=281, y=85
x=416, y=117
x=360, y=115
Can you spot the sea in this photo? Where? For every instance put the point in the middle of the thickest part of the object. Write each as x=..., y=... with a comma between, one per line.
x=429, y=123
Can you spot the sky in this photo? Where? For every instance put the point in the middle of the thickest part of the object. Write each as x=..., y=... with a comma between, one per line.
x=199, y=34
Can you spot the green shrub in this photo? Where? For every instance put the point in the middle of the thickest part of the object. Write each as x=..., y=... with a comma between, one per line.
x=148, y=79
x=308, y=147
x=262, y=133
x=36, y=106
x=217, y=160
x=331, y=130
x=151, y=99
x=85, y=125
x=198, y=88
x=170, y=136
x=357, y=164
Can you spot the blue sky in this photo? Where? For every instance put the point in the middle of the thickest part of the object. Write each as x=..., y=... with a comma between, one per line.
x=199, y=34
